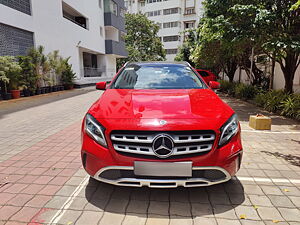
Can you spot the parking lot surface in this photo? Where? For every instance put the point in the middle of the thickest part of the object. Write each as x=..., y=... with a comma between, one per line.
x=42, y=180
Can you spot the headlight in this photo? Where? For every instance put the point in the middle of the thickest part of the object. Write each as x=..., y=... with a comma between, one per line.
x=95, y=130
x=229, y=129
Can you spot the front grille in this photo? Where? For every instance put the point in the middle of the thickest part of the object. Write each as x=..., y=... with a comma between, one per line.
x=209, y=174
x=139, y=143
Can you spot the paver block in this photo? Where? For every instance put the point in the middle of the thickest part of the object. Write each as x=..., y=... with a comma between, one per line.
x=157, y=220
x=180, y=209
x=202, y=210
x=158, y=208
x=248, y=211
x=281, y=201
x=111, y=218
x=136, y=219
x=69, y=217
x=178, y=220
x=204, y=221
x=228, y=222
x=224, y=211
x=290, y=214
x=136, y=206
x=267, y=213
x=89, y=217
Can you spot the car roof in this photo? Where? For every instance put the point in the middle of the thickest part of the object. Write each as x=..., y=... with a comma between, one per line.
x=158, y=63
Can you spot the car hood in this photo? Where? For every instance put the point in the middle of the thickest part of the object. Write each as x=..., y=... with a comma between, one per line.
x=160, y=104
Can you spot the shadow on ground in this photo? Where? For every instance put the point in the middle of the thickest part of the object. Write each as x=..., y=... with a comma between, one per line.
x=292, y=159
x=165, y=203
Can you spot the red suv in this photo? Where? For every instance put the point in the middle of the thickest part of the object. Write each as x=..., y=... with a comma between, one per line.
x=158, y=124
x=207, y=75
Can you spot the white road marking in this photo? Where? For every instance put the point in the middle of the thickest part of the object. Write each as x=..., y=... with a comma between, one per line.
x=270, y=180
x=55, y=219
x=271, y=132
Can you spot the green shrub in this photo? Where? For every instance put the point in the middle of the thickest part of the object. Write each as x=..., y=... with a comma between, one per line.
x=260, y=99
x=227, y=87
x=274, y=99
x=245, y=91
x=290, y=106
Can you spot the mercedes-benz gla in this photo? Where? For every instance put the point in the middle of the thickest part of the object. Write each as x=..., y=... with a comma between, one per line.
x=158, y=124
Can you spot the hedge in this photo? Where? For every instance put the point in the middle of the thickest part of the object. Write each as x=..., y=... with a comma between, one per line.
x=276, y=101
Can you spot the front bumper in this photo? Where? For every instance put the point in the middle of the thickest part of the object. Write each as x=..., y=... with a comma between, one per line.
x=124, y=176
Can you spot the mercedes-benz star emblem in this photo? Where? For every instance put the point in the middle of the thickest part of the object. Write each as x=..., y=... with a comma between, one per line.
x=163, y=146
x=162, y=122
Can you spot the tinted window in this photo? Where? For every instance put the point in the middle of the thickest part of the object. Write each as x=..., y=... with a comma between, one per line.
x=203, y=74
x=158, y=76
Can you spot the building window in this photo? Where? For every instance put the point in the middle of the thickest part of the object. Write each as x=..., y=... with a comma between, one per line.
x=171, y=38
x=189, y=11
x=74, y=16
x=113, y=7
x=153, y=13
x=189, y=25
x=20, y=5
x=171, y=11
x=122, y=12
x=172, y=51
x=171, y=24
x=100, y=4
x=110, y=7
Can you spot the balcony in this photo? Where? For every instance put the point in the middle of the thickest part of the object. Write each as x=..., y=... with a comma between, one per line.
x=111, y=19
x=116, y=48
x=94, y=72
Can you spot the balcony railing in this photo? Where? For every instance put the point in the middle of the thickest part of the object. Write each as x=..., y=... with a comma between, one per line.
x=94, y=72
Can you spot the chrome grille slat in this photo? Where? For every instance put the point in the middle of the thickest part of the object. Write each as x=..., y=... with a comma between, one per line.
x=141, y=142
x=150, y=138
x=137, y=151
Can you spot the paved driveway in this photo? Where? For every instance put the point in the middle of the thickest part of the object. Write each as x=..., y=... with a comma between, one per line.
x=42, y=182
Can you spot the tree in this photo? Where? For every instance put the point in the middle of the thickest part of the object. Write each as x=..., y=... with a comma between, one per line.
x=142, y=41
x=232, y=29
x=40, y=62
x=186, y=49
x=28, y=76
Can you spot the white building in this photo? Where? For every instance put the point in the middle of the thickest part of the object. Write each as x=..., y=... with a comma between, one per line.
x=88, y=31
x=173, y=17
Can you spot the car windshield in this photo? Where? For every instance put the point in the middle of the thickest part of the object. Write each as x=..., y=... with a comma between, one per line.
x=158, y=76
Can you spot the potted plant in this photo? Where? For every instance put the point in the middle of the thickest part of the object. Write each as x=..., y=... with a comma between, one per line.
x=3, y=83
x=29, y=78
x=68, y=76
x=10, y=74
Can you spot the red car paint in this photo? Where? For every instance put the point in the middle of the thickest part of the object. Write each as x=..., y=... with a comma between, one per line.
x=141, y=110
x=206, y=75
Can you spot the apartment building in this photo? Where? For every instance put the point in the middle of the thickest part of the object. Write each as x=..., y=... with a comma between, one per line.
x=173, y=17
x=90, y=32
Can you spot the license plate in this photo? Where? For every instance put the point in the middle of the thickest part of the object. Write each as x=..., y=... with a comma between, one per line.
x=163, y=169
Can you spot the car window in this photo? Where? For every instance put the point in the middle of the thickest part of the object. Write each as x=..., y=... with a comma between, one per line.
x=203, y=74
x=158, y=76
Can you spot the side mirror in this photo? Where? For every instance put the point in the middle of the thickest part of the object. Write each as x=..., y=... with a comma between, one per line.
x=101, y=86
x=214, y=85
